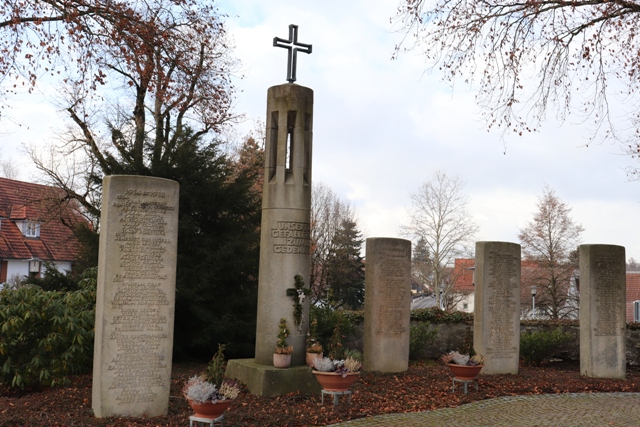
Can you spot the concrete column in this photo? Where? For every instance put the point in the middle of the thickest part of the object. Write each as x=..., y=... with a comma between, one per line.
x=602, y=311
x=496, y=325
x=286, y=207
x=387, y=305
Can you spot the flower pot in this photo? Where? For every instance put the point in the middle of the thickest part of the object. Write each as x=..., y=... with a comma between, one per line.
x=464, y=372
x=210, y=410
x=311, y=357
x=281, y=360
x=331, y=381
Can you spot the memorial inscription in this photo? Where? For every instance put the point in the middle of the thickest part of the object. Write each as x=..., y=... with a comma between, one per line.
x=139, y=307
x=502, y=293
x=608, y=298
x=291, y=237
x=391, y=297
x=387, y=306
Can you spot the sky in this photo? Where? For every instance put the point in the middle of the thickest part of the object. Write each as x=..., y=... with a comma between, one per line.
x=382, y=127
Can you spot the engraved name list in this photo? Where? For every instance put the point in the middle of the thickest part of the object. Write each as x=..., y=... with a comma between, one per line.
x=138, y=320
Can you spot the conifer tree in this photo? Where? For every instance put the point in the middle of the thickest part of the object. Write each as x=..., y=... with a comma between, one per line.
x=346, y=268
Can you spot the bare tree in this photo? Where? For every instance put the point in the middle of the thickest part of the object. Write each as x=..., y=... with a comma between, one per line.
x=551, y=241
x=633, y=265
x=8, y=169
x=439, y=216
x=528, y=57
x=328, y=212
x=161, y=82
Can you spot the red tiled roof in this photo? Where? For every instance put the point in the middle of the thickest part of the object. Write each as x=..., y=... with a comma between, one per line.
x=18, y=212
x=463, y=274
x=633, y=292
x=35, y=202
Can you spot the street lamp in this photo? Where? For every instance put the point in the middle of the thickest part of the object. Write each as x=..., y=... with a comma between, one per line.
x=533, y=301
x=34, y=266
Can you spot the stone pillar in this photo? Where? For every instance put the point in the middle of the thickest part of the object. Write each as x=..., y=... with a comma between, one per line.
x=135, y=296
x=286, y=207
x=387, y=305
x=496, y=325
x=602, y=311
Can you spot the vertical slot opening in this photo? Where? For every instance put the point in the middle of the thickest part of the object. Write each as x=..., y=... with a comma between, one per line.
x=307, y=147
x=291, y=123
x=273, y=145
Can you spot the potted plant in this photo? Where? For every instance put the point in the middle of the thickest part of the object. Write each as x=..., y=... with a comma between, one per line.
x=209, y=394
x=282, y=355
x=314, y=348
x=463, y=366
x=336, y=375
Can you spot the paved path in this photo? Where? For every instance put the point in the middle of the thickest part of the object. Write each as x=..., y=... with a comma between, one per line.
x=541, y=410
x=423, y=302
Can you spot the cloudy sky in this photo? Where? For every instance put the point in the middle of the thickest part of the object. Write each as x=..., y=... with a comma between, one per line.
x=382, y=127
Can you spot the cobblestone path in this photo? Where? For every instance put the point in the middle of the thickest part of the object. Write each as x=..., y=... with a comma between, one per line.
x=541, y=410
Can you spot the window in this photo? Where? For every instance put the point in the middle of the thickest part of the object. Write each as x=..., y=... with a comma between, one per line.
x=465, y=306
x=31, y=229
x=636, y=311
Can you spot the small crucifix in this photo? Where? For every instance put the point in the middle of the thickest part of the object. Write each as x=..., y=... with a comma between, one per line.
x=293, y=46
x=298, y=294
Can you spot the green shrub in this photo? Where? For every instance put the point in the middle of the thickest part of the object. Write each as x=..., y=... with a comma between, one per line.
x=46, y=335
x=334, y=327
x=53, y=279
x=537, y=346
x=354, y=354
x=336, y=342
x=435, y=315
x=420, y=337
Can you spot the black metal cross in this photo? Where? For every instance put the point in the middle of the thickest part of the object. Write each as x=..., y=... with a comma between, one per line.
x=292, y=45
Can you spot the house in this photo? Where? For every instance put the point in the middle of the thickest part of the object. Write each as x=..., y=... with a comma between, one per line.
x=633, y=296
x=34, y=227
x=464, y=288
x=463, y=284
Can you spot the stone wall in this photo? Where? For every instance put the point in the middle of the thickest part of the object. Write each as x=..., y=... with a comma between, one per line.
x=451, y=336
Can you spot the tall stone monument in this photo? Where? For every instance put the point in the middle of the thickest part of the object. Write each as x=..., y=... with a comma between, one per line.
x=285, y=234
x=496, y=325
x=286, y=207
x=602, y=311
x=135, y=296
x=387, y=307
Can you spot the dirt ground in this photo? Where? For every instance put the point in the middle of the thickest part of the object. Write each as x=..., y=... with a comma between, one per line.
x=425, y=386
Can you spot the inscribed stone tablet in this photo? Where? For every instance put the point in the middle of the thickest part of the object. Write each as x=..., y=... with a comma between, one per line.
x=135, y=296
x=497, y=306
x=387, y=305
x=602, y=311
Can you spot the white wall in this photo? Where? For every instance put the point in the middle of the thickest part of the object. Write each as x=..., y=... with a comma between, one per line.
x=469, y=299
x=19, y=268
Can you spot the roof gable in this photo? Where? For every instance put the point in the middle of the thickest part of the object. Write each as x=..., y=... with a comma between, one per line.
x=21, y=201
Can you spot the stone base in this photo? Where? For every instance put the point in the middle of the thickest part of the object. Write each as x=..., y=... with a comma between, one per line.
x=266, y=380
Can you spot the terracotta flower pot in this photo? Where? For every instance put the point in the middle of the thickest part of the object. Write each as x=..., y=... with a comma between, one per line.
x=331, y=381
x=281, y=360
x=210, y=410
x=311, y=357
x=464, y=372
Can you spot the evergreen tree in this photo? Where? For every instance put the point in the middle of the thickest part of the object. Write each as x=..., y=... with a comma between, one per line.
x=421, y=265
x=218, y=248
x=218, y=252
x=345, y=268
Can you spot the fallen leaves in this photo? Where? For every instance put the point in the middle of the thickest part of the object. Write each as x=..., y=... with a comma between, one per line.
x=424, y=387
